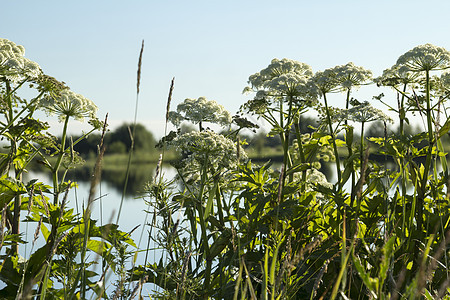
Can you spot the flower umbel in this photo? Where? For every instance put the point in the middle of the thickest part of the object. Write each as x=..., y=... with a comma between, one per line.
x=205, y=147
x=365, y=112
x=425, y=58
x=397, y=75
x=69, y=104
x=284, y=77
x=341, y=78
x=13, y=65
x=200, y=110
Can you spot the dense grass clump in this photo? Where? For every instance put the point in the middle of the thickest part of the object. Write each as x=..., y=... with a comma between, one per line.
x=229, y=228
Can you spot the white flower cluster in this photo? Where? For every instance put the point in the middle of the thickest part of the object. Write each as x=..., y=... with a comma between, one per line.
x=13, y=65
x=365, y=112
x=206, y=147
x=440, y=85
x=445, y=79
x=425, y=58
x=396, y=75
x=200, y=110
x=315, y=177
x=285, y=77
x=69, y=104
x=341, y=78
x=337, y=115
x=350, y=76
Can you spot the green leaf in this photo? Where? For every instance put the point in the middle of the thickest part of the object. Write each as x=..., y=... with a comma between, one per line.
x=444, y=129
x=273, y=265
x=428, y=295
x=298, y=168
x=209, y=204
x=9, y=189
x=348, y=168
x=220, y=244
x=97, y=246
x=369, y=282
x=349, y=136
x=388, y=252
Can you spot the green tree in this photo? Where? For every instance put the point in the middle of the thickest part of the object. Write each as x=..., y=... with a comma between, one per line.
x=143, y=139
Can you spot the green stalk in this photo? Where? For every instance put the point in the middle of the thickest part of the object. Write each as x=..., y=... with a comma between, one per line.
x=203, y=228
x=336, y=153
x=17, y=200
x=56, y=187
x=361, y=157
x=402, y=115
x=401, y=111
x=350, y=153
x=429, y=155
x=423, y=181
x=429, y=117
x=301, y=152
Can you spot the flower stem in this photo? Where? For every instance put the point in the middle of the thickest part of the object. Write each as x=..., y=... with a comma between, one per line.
x=333, y=136
x=56, y=185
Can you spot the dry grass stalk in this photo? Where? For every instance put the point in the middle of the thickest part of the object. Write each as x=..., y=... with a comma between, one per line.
x=63, y=203
x=138, y=83
x=44, y=202
x=30, y=200
x=158, y=167
x=38, y=229
x=56, y=244
x=169, y=99
x=2, y=225
x=98, y=166
x=138, y=286
x=318, y=280
x=180, y=288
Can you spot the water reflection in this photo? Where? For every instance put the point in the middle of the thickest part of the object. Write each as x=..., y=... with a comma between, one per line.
x=139, y=175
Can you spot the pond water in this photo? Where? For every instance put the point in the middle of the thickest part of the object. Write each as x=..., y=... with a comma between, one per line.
x=106, y=207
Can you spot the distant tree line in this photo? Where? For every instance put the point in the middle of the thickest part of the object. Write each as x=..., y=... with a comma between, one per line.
x=118, y=141
x=309, y=124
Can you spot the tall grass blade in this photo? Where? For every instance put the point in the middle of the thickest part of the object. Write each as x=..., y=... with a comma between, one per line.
x=238, y=283
x=341, y=273
x=132, y=134
x=249, y=282
x=87, y=217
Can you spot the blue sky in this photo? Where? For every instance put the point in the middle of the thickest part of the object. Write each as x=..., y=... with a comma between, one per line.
x=210, y=47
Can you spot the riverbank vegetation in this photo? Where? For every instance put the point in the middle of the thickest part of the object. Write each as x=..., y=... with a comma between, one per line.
x=227, y=227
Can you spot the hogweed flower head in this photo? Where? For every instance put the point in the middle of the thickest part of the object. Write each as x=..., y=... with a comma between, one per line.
x=445, y=80
x=397, y=75
x=365, y=112
x=200, y=110
x=440, y=85
x=283, y=77
x=69, y=104
x=425, y=58
x=350, y=76
x=206, y=147
x=13, y=65
x=315, y=177
x=341, y=78
x=337, y=115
